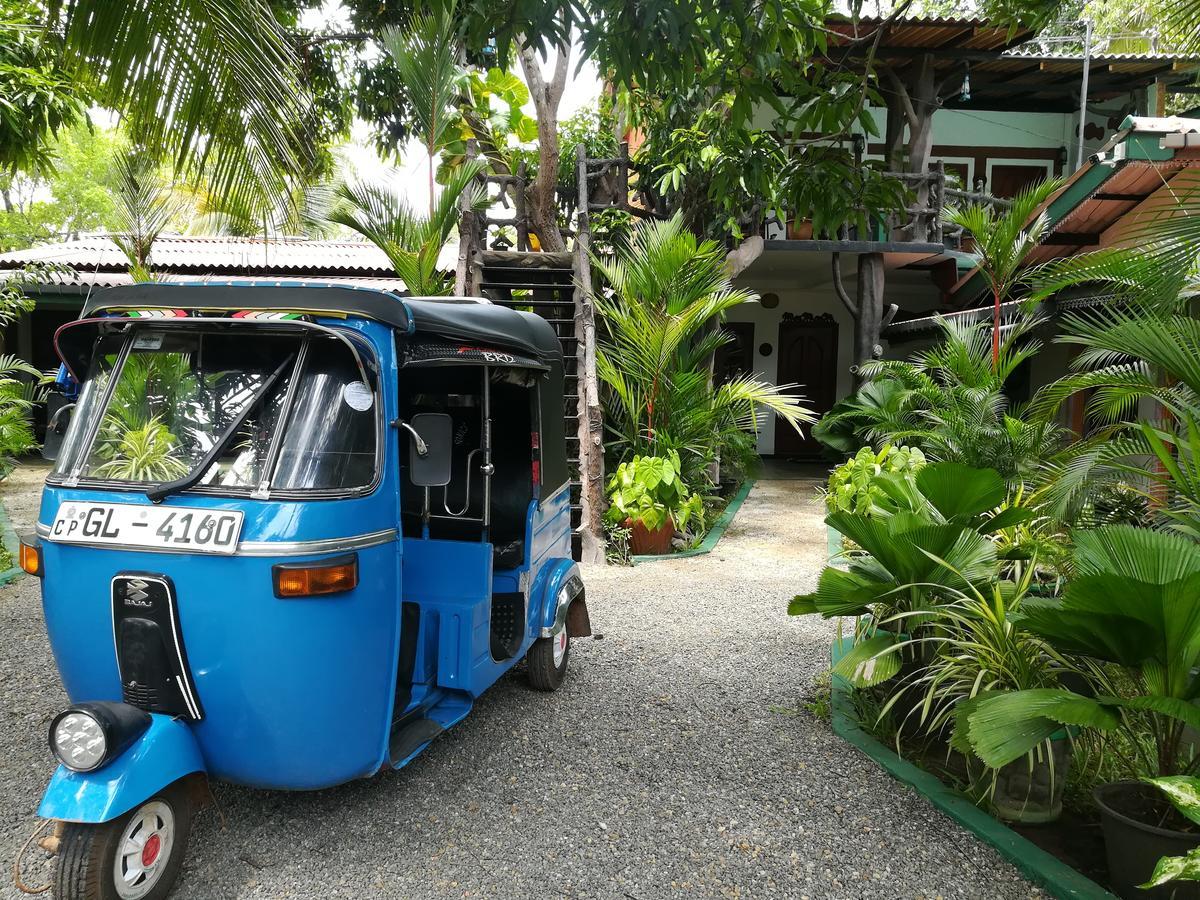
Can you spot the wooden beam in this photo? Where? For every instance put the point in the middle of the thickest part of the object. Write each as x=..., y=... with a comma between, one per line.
x=1124, y=198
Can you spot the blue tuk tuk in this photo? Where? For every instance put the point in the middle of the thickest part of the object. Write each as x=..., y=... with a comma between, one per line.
x=291, y=533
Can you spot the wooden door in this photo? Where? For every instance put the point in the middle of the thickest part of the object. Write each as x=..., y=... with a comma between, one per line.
x=808, y=357
x=1009, y=180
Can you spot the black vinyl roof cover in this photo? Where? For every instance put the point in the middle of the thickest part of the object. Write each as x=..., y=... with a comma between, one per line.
x=487, y=324
x=458, y=319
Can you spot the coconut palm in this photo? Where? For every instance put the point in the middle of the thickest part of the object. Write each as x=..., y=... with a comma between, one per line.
x=1002, y=240
x=412, y=242
x=144, y=209
x=1138, y=362
x=213, y=84
x=668, y=295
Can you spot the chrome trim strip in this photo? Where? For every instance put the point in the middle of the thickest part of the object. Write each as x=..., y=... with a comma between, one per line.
x=260, y=548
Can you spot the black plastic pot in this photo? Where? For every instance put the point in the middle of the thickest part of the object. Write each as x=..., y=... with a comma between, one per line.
x=1134, y=848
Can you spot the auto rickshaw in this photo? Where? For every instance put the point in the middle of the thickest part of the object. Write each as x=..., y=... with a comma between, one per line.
x=291, y=533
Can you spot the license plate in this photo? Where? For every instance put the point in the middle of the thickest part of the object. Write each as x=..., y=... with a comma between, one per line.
x=180, y=528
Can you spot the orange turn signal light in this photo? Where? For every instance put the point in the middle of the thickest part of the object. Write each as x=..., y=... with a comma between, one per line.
x=331, y=576
x=30, y=558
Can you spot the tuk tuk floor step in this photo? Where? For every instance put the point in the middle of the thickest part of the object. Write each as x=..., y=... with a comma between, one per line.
x=413, y=732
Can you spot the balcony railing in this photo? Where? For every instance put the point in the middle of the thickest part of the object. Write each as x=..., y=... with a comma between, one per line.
x=608, y=186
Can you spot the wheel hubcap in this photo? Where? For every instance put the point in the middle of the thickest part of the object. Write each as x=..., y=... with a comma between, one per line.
x=560, y=646
x=143, y=851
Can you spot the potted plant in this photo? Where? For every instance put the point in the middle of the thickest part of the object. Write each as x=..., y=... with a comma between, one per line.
x=1133, y=604
x=1184, y=793
x=648, y=496
x=981, y=649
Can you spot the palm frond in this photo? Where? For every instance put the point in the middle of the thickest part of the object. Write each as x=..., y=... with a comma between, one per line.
x=212, y=83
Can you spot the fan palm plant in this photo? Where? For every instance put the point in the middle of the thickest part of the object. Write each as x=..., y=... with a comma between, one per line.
x=1002, y=240
x=928, y=548
x=412, y=242
x=669, y=294
x=1131, y=604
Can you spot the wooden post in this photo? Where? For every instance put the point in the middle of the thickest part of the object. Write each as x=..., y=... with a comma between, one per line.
x=591, y=417
x=519, y=208
x=938, y=202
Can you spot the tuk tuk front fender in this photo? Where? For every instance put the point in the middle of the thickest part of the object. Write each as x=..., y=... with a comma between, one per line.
x=563, y=588
x=164, y=753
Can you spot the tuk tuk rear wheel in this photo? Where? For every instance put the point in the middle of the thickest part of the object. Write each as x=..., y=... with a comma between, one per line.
x=136, y=856
x=548, y=658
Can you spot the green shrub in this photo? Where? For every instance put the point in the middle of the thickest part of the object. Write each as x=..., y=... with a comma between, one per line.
x=650, y=489
x=854, y=485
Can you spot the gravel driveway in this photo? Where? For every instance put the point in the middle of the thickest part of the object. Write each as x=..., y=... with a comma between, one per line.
x=679, y=758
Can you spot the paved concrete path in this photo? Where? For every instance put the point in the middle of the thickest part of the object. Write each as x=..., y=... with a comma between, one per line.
x=680, y=758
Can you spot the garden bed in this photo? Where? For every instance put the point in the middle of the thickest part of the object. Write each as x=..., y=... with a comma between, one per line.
x=1066, y=857
x=732, y=502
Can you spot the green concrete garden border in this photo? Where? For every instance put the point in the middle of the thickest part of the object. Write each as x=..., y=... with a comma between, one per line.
x=12, y=544
x=713, y=535
x=1039, y=866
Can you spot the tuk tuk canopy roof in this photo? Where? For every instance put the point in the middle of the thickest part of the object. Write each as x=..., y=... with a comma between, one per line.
x=457, y=318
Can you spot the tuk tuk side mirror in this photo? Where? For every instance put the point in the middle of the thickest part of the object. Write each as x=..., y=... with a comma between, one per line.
x=429, y=457
x=60, y=410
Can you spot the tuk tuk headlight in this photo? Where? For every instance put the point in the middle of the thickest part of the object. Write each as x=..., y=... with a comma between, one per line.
x=78, y=740
x=90, y=735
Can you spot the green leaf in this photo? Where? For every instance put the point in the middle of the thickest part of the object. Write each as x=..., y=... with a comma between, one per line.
x=1183, y=791
x=870, y=662
x=1175, y=868
x=803, y=605
x=1005, y=727
x=959, y=492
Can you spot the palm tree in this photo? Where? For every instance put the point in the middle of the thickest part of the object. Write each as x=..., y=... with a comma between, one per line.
x=145, y=208
x=412, y=242
x=1142, y=347
x=669, y=293
x=426, y=55
x=1002, y=240
x=212, y=84
x=950, y=401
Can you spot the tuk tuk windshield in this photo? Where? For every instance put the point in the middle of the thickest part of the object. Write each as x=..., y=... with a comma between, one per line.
x=158, y=401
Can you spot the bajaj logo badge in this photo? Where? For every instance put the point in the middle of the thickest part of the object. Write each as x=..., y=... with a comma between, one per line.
x=135, y=593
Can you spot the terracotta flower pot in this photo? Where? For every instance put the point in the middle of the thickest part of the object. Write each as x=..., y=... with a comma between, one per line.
x=1133, y=846
x=643, y=542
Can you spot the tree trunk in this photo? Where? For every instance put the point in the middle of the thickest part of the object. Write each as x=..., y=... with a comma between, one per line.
x=893, y=142
x=869, y=322
x=546, y=96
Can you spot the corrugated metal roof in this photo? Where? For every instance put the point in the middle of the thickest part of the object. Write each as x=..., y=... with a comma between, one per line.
x=928, y=32
x=92, y=279
x=224, y=255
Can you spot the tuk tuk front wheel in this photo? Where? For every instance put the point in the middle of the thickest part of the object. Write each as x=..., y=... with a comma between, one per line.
x=547, y=660
x=136, y=856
